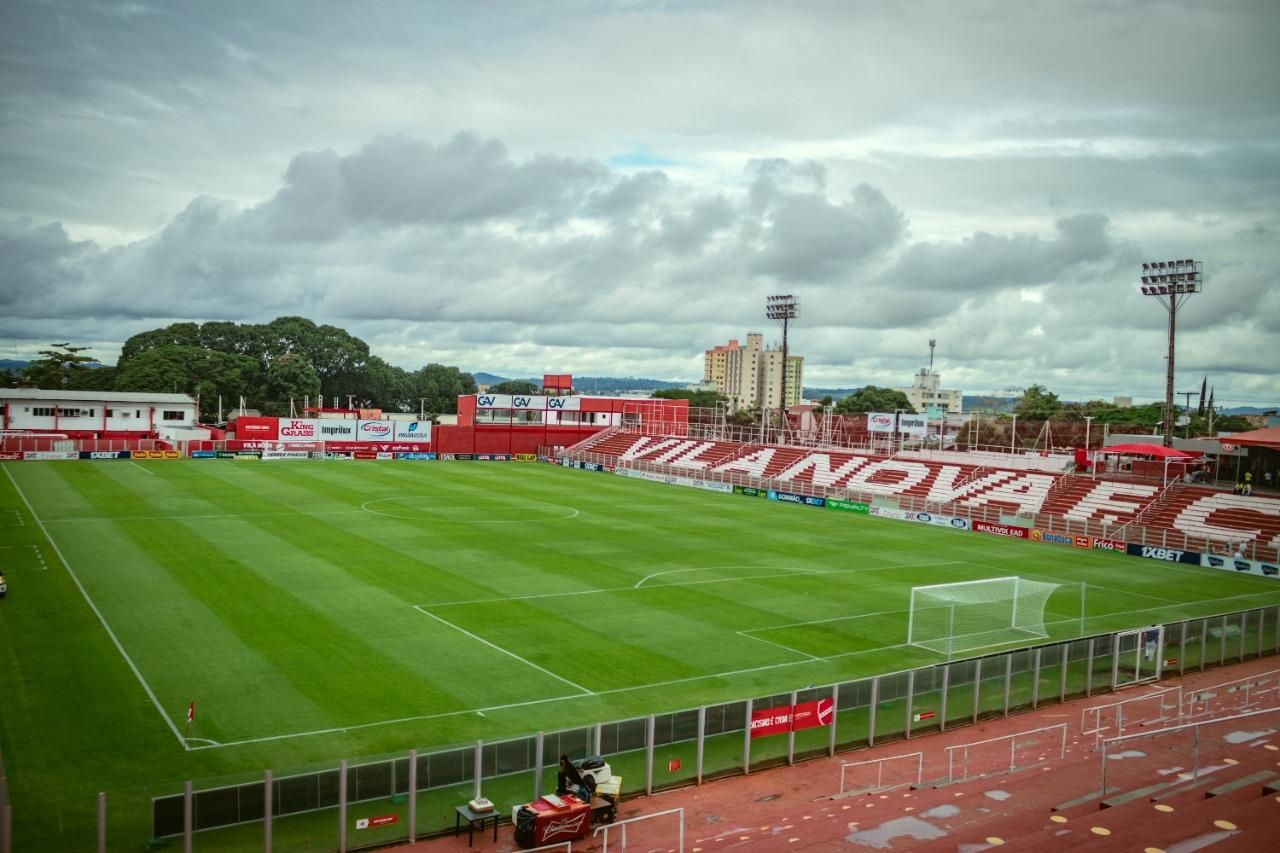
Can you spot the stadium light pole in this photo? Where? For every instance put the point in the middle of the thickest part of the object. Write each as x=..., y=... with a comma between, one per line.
x=785, y=308
x=1172, y=283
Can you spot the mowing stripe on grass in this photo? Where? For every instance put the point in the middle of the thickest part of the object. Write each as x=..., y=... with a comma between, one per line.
x=112, y=634
x=507, y=652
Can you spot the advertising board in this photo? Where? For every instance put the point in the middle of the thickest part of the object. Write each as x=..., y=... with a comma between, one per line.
x=848, y=506
x=204, y=454
x=1170, y=555
x=416, y=457
x=1038, y=535
x=1007, y=530
x=104, y=454
x=10, y=455
x=1240, y=565
x=792, y=498
x=1101, y=544
x=890, y=512
x=285, y=454
x=954, y=522
x=49, y=455
x=791, y=718
x=294, y=429
x=253, y=428
x=673, y=480
x=332, y=429
x=527, y=402
x=419, y=431
x=374, y=431
x=880, y=421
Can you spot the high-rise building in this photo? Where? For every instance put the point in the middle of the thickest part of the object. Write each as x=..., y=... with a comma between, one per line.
x=927, y=391
x=751, y=375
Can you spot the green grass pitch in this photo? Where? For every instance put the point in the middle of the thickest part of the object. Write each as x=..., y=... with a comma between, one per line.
x=324, y=610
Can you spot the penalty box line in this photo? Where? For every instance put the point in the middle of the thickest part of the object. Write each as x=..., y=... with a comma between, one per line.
x=506, y=652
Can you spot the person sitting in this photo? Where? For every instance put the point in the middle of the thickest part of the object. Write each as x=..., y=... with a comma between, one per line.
x=569, y=781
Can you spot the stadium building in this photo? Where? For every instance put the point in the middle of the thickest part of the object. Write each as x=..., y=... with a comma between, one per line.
x=100, y=414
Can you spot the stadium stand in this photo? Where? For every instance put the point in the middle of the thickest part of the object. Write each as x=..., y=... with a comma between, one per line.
x=1180, y=515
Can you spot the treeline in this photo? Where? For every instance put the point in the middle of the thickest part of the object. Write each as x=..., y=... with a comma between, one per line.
x=269, y=365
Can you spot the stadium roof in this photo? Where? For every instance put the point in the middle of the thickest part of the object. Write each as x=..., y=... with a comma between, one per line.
x=1150, y=450
x=92, y=396
x=1268, y=437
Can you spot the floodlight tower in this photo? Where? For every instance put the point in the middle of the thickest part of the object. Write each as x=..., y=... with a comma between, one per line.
x=785, y=308
x=1171, y=282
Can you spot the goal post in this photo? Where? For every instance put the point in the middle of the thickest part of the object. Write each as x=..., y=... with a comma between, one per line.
x=958, y=617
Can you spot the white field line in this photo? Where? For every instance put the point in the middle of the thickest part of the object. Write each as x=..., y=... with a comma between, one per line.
x=751, y=636
x=96, y=612
x=533, y=702
x=140, y=468
x=640, y=582
x=611, y=692
x=789, y=572
x=117, y=518
x=507, y=652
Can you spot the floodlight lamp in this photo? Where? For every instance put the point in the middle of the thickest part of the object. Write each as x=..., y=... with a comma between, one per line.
x=1146, y=266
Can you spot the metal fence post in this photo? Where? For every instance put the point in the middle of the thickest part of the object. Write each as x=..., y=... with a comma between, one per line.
x=911, y=692
x=835, y=717
x=539, y=755
x=650, y=737
x=102, y=822
x=702, y=739
x=791, y=733
x=479, y=766
x=871, y=711
x=342, y=806
x=413, y=795
x=186, y=816
x=746, y=740
x=977, y=688
x=268, y=804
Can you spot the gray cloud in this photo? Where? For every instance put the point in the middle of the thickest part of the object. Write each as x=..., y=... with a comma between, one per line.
x=431, y=177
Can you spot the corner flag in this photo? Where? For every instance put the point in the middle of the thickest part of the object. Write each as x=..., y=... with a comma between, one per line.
x=191, y=711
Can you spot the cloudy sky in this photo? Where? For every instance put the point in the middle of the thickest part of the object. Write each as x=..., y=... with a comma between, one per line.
x=612, y=188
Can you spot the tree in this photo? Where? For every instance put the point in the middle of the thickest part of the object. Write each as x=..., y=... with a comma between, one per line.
x=384, y=386
x=177, y=334
x=1037, y=404
x=515, y=386
x=439, y=387
x=336, y=356
x=697, y=399
x=289, y=378
x=874, y=399
x=203, y=373
x=60, y=367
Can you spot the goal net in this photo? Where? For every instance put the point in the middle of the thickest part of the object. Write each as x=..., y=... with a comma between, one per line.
x=959, y=617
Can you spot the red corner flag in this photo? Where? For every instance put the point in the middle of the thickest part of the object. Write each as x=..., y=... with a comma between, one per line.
x=191, y=711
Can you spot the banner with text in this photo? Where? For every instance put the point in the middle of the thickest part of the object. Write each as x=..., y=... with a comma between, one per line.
x=791, y=718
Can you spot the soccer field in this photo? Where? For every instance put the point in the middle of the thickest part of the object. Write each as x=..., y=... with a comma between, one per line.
x=323, y=610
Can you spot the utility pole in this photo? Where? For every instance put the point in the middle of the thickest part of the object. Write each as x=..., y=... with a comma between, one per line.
x=1187, y=395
